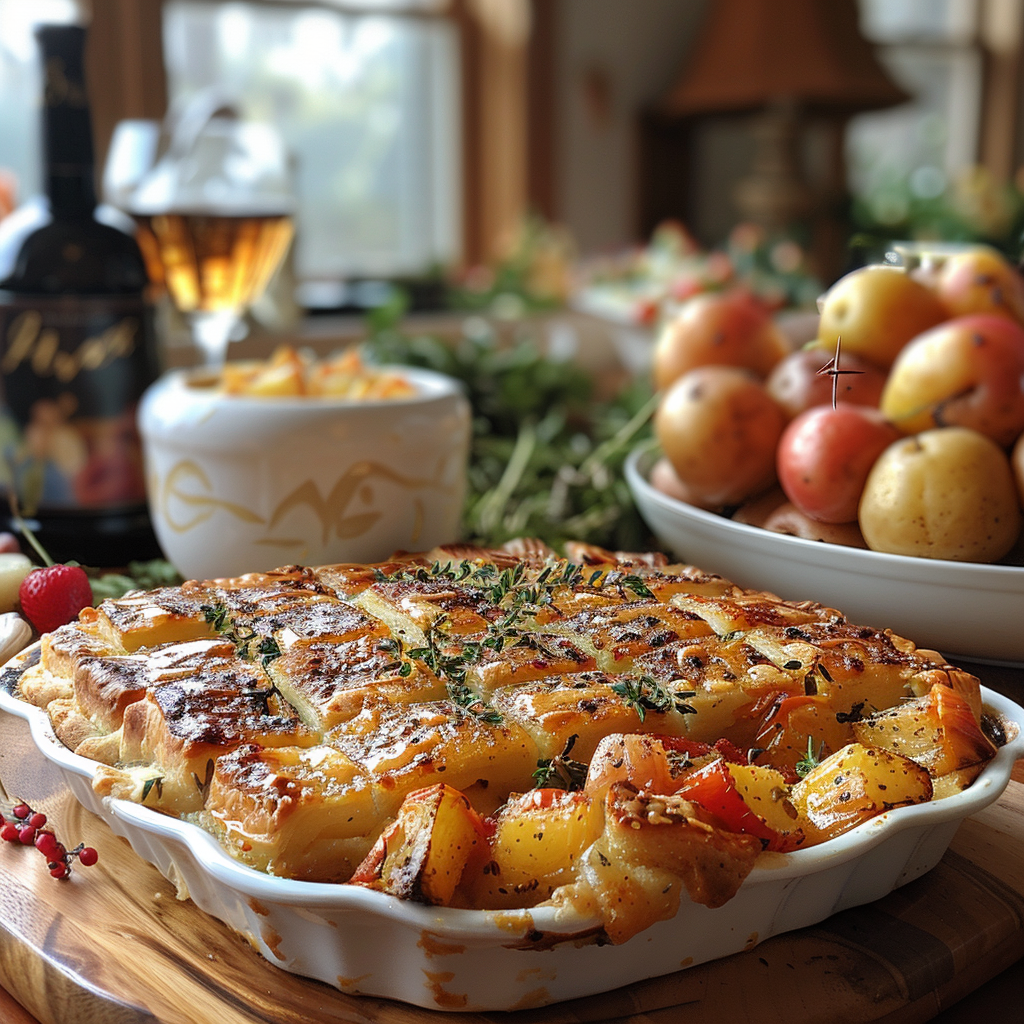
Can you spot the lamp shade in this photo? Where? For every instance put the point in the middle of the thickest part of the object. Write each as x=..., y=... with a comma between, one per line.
x=754, y=53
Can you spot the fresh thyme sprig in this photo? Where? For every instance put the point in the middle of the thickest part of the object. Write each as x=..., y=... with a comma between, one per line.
x=520, y=594
x=462, y=695
x=645, y=694
x=268, y=649
x=560, y=771
x=451, y=667
x=219, y=617
x=810, y=760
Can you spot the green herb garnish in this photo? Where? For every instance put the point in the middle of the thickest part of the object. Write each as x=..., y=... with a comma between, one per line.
x=810, y=760
x=156, y=783
x=475, y=704
x=560, y=771
x=268, y=649
x=645, y=694
x=546, y=459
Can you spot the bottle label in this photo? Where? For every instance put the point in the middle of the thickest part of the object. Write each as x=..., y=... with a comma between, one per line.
x=72, y=371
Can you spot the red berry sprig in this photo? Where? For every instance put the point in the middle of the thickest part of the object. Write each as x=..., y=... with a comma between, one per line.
x=28, y=827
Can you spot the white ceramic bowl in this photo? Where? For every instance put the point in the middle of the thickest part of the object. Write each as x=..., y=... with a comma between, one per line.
x=960, y=608
x=365, y=942
x=240, y=484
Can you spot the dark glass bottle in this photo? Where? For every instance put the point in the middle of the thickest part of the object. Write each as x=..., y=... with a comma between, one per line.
x=76, y=344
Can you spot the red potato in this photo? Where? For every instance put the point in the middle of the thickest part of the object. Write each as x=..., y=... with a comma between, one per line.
x=719, y=428
x=980, y=280
x=825, y=455
x=967, y=372
x=788, y=519
x=797, y=383
x=718, y=329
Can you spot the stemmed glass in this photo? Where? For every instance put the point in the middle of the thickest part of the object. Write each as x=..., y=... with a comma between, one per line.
x=215, y=217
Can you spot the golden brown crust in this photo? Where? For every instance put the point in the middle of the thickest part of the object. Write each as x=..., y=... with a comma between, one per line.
x=353, y=720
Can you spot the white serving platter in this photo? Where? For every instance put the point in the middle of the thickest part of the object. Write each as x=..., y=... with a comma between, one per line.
x=959, y=608
x=365, y=942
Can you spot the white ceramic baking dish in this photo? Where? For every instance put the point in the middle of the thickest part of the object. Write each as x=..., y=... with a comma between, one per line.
x=367, y=943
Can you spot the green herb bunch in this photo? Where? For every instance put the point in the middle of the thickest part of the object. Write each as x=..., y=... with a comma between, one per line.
x=547, y=455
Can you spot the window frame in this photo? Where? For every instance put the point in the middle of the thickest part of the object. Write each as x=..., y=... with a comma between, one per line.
x=506, y=118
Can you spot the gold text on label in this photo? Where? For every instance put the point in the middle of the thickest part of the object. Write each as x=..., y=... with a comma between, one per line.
x=28, y=342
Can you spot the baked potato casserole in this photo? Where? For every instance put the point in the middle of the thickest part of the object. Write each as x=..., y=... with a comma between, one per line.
x=500, y=729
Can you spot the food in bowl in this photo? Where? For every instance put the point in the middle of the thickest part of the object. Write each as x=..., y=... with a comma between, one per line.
x=291, y=374
x=240, y=482
x=940, y=349
x=507, y=729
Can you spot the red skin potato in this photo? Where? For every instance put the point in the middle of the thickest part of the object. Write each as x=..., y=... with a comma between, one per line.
x=967, y=372
x=718, y=329
x=797, y=383
x=825, y=455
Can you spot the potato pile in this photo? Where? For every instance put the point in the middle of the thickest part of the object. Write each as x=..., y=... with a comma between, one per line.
x=922, y=452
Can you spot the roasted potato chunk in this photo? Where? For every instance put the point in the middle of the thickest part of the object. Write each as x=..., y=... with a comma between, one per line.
x=538, y=840
x=938, y=731
x=651, y=850
x=422, y=853
x=854, y=785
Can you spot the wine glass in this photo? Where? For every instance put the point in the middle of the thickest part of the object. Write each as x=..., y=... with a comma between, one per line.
x=216, y=213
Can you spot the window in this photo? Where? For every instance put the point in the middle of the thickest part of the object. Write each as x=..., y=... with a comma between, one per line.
x=365, y=96
x=20, y=87
x=930, y=48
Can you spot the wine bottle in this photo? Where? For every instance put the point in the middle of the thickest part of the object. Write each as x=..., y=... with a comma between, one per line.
x=77, y=347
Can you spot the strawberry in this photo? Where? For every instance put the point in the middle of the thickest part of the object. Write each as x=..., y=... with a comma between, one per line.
x=52, y=596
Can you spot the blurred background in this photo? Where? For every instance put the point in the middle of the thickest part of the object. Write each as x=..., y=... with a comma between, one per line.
x=603, y=156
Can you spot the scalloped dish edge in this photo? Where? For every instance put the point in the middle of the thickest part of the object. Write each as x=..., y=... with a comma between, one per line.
x=366, y=942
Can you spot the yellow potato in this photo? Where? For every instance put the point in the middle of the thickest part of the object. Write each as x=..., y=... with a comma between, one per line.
x=876, y=311
x=945, y=493
x=967, y=372
x=853, y=785
x=421, y=855
x=719, y=428
x=538, y=840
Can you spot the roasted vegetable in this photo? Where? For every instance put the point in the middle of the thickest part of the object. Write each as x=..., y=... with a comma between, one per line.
x=856, y=784
x=939, y=731
x=422, y=853
x=538, y=840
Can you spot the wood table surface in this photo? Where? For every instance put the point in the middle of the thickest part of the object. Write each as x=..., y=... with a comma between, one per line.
x=992, y=988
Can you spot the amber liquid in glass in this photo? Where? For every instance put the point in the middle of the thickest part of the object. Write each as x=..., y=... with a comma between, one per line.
x=213, y=263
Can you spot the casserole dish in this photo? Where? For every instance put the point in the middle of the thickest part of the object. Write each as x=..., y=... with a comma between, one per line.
x=367, y=942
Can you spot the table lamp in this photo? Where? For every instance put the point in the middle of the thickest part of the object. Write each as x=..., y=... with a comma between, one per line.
x=784, y=62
